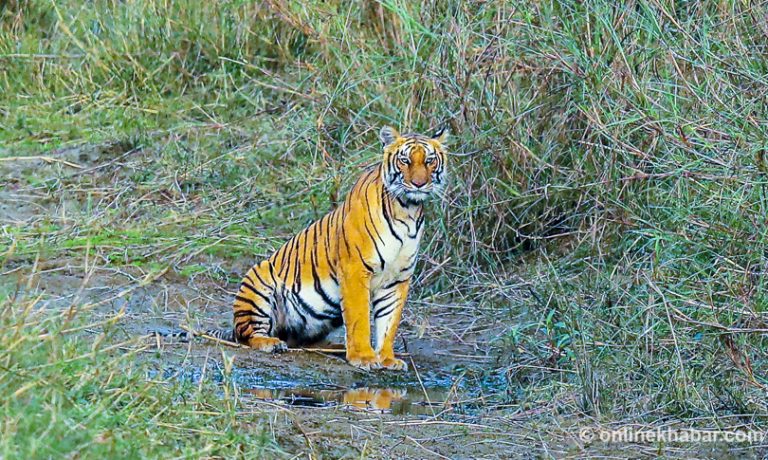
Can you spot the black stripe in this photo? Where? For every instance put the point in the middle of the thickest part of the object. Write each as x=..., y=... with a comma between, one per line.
x=295, y=310
x=308, y=308
x=370, y=215
x=419, y=222
x=381, y=299
x=302, y=248
x=327, y=236
x=243, y=313
x=403, y=222
x=261, y=280
x=394, y=283
x=416, y=227
x=294, y=255
x=290, y=252
x=328, y=259
x=404, y=204
x=410, y=266
x=319, y=288
x=381, y=311
x=305, y=233
x=369, y=177
x=344, y=233
x=344, y=237
x=387, y=219
x=333, y=277
x=260, y=329
x=315, y=247
x=393, y=171
x=331, y=268
x=375, y=246
x=253, y=289
x=297, y=278
x=253, y=304
x=368, y=267
x=282, y=251
x=314, y=236
x=283, y=263
x=272, y=273
x=240, y=328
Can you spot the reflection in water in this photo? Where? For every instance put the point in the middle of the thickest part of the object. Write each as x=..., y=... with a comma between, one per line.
x=388, y=400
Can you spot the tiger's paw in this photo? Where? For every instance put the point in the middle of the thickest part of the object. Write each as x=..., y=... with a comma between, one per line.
x=393, y=364
x=267, y=344
x=364, y=362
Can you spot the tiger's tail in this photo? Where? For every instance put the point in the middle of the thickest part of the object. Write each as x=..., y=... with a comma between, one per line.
x=226, y=335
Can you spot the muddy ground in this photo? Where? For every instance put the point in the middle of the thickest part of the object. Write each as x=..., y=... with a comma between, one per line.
x=455, y=401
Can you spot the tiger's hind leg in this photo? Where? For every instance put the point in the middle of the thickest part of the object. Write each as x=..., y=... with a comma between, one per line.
x=255, y=316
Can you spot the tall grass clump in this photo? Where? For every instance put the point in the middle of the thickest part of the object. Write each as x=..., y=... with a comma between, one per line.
x=609, y=154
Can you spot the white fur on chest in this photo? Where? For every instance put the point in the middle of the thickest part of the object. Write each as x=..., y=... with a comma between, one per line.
x=399, y=258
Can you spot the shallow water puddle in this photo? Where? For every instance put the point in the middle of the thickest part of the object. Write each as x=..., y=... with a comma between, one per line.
x=397, y=401
x=397, y=394
x=432, y=385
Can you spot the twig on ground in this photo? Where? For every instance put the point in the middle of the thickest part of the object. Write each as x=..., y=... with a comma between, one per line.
x=44, y=158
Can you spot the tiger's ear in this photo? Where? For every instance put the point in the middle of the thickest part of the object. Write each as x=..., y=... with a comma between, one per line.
x=441, y=134
x=388, y=135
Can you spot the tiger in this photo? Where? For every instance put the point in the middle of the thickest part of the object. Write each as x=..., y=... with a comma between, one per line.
x=352, y=267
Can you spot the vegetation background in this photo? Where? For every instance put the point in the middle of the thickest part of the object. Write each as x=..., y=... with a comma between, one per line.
x=608, y=197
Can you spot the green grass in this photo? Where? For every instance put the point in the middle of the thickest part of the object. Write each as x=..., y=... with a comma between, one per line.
x=68, y=395
x=610, y=156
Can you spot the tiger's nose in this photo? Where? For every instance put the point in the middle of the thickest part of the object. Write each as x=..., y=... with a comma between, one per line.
x=418, y=183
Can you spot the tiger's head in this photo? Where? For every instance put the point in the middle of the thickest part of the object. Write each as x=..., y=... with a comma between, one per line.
x=414, y=164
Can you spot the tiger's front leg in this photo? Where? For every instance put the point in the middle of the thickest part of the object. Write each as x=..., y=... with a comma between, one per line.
x=387, y=310
x=355, y=309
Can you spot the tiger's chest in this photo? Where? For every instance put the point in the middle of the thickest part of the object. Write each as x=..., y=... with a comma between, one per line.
x=399, y=252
